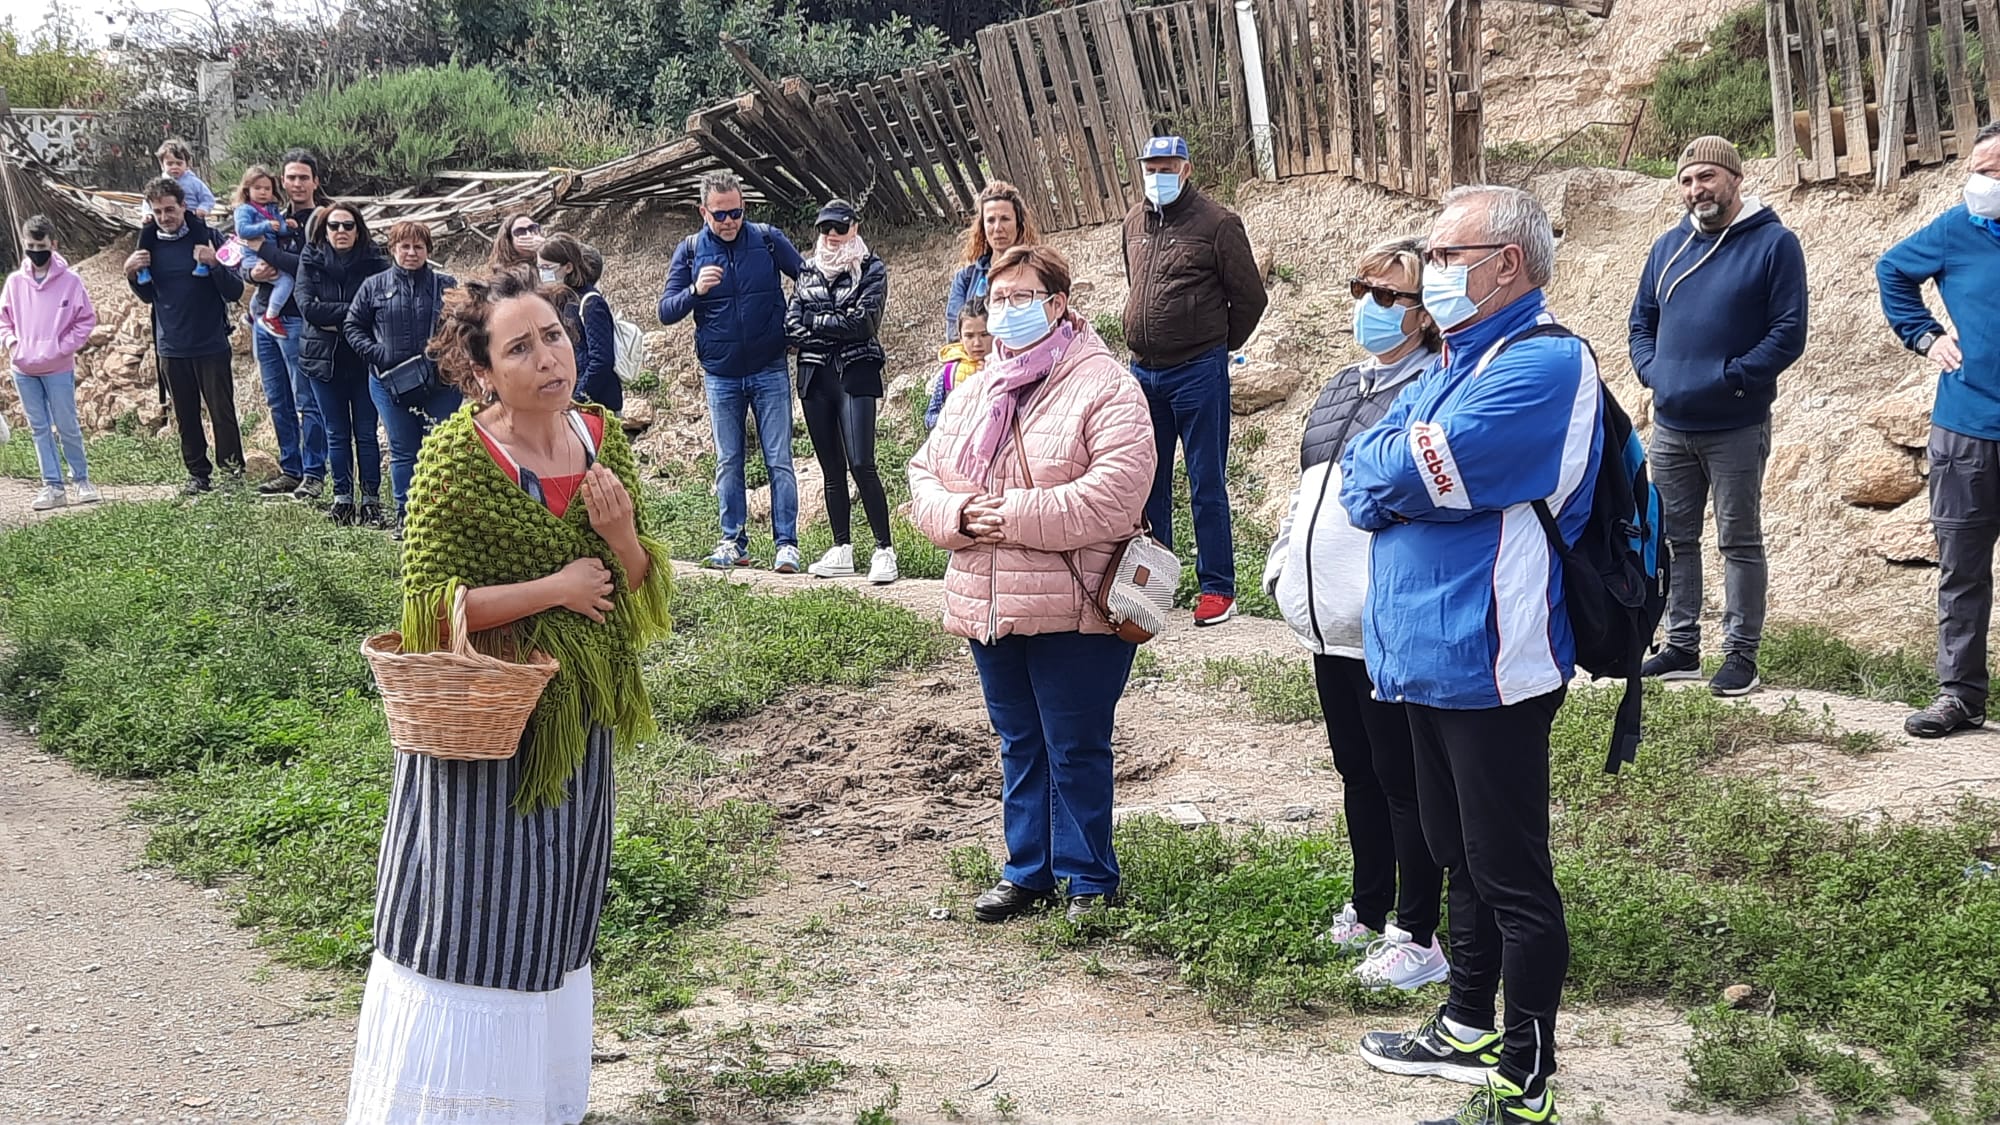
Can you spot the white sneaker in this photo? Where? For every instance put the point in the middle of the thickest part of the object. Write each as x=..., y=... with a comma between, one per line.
x=86, y=493
x=882, y=566
x=1394, y=961
x=51, y=496
x=836, y=563
x=1347, y=933
x=788, y=560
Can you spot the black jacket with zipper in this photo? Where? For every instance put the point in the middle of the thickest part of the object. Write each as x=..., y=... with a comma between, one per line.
x=836, y=324
x=328, y=283
x=394, y=314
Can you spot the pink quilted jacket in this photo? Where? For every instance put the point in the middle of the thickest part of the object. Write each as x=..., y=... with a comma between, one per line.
x=1089, y=437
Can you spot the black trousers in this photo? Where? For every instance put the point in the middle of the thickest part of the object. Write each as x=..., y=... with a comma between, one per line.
x=842, y=428
x=1378, y=779
x=191, y=382
x=1483, y=789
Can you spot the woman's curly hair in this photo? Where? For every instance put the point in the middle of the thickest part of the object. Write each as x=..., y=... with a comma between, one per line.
x=463, y=342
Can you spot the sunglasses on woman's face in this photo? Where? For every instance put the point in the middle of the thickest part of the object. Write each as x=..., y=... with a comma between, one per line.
x=336, y=224
x=531, y=228
x=835, y=228
x=1383, y=295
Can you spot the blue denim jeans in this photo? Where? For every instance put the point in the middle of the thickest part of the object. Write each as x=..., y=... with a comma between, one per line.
x=351, y=431
x=1190, y=405
x=1052, y=698
x=294, y=409
x=407, y=429
x=49, y=401
x=768, y=393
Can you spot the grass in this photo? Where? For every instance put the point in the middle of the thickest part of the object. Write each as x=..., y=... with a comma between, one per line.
x=121, y=456
x=739, y=1074
x=1811, y=656
x=1280, y=688
x=214, y=647
x=1867, y=943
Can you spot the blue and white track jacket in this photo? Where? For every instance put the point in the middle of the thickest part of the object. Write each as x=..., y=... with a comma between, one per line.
x=1465, y=598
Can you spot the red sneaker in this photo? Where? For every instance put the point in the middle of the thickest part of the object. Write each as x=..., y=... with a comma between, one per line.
x=1214, y=609
x=275, y=327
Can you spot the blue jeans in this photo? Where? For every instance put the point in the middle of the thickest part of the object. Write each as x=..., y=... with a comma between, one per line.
x=1190, y=404
x=407, y=428
x=49, y=401
x=1052, y=698
x=769, y=394
x=351, y=421
x=294, y=409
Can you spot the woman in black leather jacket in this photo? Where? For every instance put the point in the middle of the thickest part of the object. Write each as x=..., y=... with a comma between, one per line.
x=833, y=323
x=391, y=320
x=338, y=259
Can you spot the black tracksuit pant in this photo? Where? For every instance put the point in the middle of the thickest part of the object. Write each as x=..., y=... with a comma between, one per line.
x=1483, y=791
x=192, y=382
x=1378, y=780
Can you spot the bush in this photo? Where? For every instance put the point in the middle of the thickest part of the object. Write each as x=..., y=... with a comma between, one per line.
x=396, y=131
x=1725, y=90
x=53, y=71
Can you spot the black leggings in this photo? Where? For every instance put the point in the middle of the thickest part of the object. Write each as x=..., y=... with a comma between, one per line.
x=842, y=428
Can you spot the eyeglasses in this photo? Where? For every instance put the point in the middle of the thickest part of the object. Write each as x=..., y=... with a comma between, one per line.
x=1383, y=295
x=336, y=224
x=835, y=228
x=729, y=216
x=1441, y=255
x=1020, y=298
x=531, y=228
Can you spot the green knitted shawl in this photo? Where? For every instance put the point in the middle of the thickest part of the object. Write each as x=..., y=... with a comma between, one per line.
x=470, y=525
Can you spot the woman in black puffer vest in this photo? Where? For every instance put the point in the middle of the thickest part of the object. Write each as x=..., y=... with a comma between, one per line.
x=338, y=258
x=833, y=322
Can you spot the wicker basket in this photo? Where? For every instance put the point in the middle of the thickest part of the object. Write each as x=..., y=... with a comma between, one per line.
x=457, y=703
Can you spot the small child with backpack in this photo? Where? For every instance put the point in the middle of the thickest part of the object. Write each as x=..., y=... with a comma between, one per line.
x=960, y=360
x=259, y=216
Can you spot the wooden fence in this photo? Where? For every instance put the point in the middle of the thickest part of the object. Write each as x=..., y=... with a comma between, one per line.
x=1349, y=85
x=1857, y=87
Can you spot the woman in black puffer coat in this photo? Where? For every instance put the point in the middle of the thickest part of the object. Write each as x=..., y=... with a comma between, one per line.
x=338, y=258
x=833, y=322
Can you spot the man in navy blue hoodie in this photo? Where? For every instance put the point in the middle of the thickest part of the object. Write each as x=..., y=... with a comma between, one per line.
x=1466, y=626
x=1960, y=251
x=1720, y=314
x=190, y=293
x=730, y=276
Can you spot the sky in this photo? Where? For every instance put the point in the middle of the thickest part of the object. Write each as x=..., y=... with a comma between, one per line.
x=27, y=15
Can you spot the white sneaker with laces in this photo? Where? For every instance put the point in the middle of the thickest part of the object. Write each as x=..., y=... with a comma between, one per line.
x=882, y=566
x=86, y=493
x=788, y=560
x=51, y=497
x=1347, y=933
x=1395, y=961
x=836, y=563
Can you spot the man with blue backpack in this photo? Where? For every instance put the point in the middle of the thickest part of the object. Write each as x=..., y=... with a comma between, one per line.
x=1502, y=557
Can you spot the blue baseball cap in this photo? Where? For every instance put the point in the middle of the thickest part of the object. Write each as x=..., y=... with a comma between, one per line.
x=1164, y=147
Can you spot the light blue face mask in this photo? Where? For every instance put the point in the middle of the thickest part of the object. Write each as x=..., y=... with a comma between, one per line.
x=1378, y=330
x=1445, y=297
x=1162, y=188
x=1017, y=328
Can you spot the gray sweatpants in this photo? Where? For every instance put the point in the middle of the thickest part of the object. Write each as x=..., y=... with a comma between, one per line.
x=1965, y=515
x=1686, y=466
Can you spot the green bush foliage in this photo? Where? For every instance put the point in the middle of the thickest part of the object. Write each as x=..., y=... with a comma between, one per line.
x=1725, y=90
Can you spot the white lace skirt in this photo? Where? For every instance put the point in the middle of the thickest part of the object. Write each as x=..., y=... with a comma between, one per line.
x=433, y=1053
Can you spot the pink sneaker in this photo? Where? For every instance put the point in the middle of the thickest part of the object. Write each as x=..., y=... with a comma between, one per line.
x=1395, y=961
x=1347, y=934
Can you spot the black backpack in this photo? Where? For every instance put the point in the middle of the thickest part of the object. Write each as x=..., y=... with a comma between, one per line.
x=1615, y=577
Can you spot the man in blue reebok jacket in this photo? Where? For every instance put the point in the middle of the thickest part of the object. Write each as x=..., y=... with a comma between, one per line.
x=1465, y=626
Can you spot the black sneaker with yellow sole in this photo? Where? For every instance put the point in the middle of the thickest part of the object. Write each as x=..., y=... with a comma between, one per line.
x=1432, y=1051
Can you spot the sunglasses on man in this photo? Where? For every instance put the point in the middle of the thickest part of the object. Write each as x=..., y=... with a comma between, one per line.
x=830, y=227
x=727, y=216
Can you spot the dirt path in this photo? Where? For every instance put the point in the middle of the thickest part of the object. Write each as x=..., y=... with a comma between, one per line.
x=16, y=495
x=128, y=996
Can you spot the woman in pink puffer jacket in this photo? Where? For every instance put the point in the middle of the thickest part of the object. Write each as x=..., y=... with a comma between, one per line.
x=1048, y=663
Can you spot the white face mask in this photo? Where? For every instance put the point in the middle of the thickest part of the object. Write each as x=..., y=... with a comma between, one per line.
x=1445, y=296
x=551, y=275
x=1982, y=196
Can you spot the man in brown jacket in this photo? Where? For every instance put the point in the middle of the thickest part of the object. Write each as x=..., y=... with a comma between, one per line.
x=1194, y=296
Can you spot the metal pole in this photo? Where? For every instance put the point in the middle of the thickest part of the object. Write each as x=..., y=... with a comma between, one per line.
x=1253, y=89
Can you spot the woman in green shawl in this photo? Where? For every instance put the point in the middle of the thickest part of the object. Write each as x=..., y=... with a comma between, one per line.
x=492, y=874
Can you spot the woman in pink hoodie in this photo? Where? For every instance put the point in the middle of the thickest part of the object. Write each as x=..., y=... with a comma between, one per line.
x=1031, y=481
x=45, y=319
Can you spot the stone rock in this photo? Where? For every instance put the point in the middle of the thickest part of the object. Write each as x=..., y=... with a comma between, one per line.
x=259, y=465
x=1266, y=258
x=1904, y=536
x=1255, y=385
x=637, y=416
x=1494, y=42
x=1879, y=475
x=1905, y=416
x=1739, y=996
